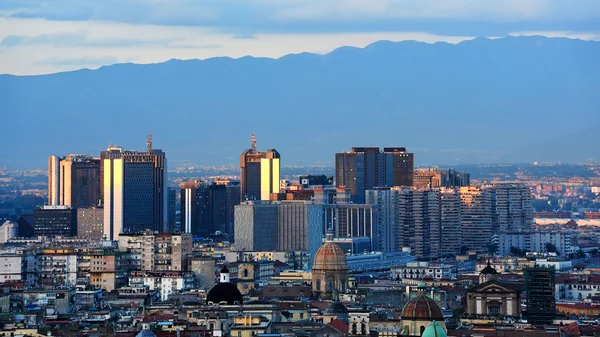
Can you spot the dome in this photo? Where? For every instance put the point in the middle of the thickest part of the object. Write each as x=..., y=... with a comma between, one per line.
x=422, y=308
x=224, y=292
x=489, y=270
x=224, y=269
x=434, y=330
x=330, y=257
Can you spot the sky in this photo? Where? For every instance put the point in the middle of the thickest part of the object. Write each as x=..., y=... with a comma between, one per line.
x=48, y=36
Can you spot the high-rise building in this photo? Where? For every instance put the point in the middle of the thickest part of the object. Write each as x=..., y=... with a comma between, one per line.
x=363, y=168
x=135, y=195
x=157, y=252
x=389, y=231
x=278, y=225
x=259, y=173
x=55, y=221
x=426, y=212
x=427, y=178
x=171, y=208
x=194, y=208
x=512, y=207
x=476, y=217
x=79, y=181
x=452, y=178
x=53, y=180
x=450, y=218
x=539, y=285
x=351, y=221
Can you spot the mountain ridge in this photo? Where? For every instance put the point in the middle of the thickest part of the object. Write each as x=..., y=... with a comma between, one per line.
x=476, y=101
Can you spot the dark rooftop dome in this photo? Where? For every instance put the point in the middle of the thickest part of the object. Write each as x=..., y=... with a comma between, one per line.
x=489, y=270
x=422, y=308
x=224, y=293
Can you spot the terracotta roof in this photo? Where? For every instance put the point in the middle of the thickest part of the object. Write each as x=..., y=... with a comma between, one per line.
x=339, y=325
x=422, y=307
x=330, y=257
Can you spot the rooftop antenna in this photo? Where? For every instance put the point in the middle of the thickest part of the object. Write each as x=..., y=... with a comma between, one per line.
x=253, y=143
x=149, y=143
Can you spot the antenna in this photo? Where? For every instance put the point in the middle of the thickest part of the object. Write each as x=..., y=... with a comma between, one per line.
x=149, y=143
x=253, y=143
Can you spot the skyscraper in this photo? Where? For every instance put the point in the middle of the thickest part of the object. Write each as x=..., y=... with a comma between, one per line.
x=476, y=217
x=426, y=212
x=194, y=208
x=363, y=168
x=135, y=196
x=79, y=181
x=450, y=218
x=53, y=180
x=259, y=173
x=55, y=221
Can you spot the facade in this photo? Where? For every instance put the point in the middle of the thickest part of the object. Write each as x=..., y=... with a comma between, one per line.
x=536, y=241
x=194, y=207
x=171, y=208
x=204, y=269
x=364, y=168
x=157, y=252
x=452, y=178
x=90, y=223
x=55, y=221
x=11, y=267
x=351, y=221
x=539, y=285
x=259, y=173
x=167, y=283
x=134, y=192
x=427, y=228
x=8, y=230
x=512, y=207
x=417, y=270
x=282, y=225
x=106, y=269
x=389, y=230
x=427, y=178
x=56, y=268
x=476, y=217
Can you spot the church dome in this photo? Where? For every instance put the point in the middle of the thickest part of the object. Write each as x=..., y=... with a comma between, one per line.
x=434, y=330
x=224, y=293
x=489, y=270
x=422, y=308
x=330, y=257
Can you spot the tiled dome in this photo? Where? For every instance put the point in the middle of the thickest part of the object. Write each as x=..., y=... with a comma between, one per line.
x=422, y=308
x=330, y=257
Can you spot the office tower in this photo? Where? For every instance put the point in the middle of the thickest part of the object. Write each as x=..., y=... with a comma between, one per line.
x=450, y=217
x=385, y=199
x=426, y=212
x=476, y=217
x=427, y=178
x=452, y=178
x=512, y=207
x=53, y=180
x=283, y=225
x=363, y=168
x=90, y=223
x=135, y=196
x=233, y=197
x=259, y=173
x=256, y=226
x=79, y=181
x=351, y=221
x=310, y=180
x=54, y=221
x=171, y=208
x=539, y=286
x=195, y=208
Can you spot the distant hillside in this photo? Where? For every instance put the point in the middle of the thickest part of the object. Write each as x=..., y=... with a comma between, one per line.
x=510, y=99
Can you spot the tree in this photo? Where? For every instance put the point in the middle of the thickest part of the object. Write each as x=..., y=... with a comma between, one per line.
x=551, y=248
x=515, y=251
x=580, y=254
x=492, y=248
x=464, y=250
x=594, y=252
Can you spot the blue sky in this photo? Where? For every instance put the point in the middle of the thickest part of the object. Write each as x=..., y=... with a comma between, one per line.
x=46, y=36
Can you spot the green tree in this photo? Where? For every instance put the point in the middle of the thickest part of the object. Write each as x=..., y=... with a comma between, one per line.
x=594, y=252
x=551, y=248
x=492, y=248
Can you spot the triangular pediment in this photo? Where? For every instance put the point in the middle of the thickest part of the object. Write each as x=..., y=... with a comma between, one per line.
x=491, y=287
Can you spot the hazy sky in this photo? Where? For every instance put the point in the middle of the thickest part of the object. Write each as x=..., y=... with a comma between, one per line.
x=45, y=36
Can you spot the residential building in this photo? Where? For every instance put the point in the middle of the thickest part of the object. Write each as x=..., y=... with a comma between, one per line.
x=54, y=221
x=512, y=207
x=167, y=283
x=157, y=252
x=90, y=223
x=205, y=270
x=420, y=269
x=11, y=266
x=134, y=191
x=452, y=178
x=351, y=221
x=259, y=174
x=427, y=178
x=364, y=168
x=8, y=230
x=56, y=268
x=450, y=222
x=476, y=217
